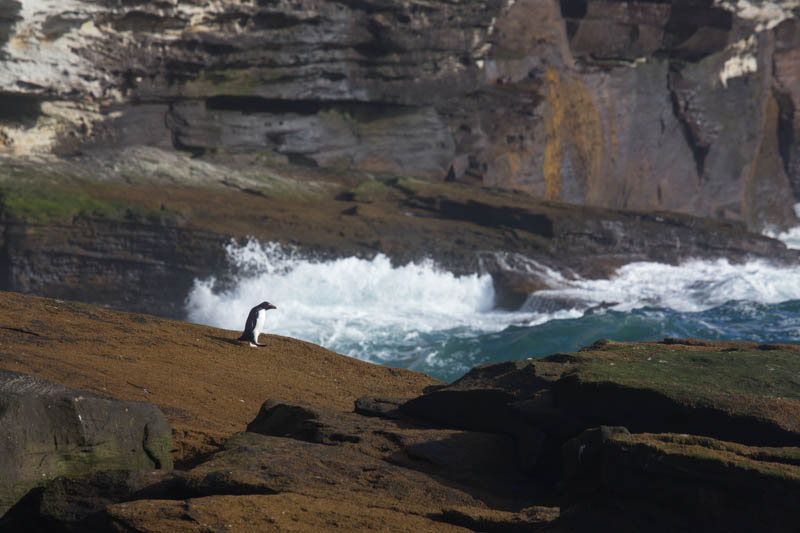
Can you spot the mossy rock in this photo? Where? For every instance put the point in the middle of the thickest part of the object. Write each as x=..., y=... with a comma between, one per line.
x=53, y=431
x=740, y=392
x=677, y=482
x=62, y=204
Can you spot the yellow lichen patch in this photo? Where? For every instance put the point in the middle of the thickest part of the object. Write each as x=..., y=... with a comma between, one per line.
x=573, y=131
x=507, y=163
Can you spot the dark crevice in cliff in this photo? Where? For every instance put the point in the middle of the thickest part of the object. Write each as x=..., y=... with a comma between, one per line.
x=572, y=11
x=362, y=111
x=277, y=20
x=699, y=148
x=9, y=15
x=485, y=214
x=211, y=48
x=695, y=30
x=19, y=109
x=255, y=104
x=57, y=25
x=142, y=21
x=380, y=43
x=575, y=9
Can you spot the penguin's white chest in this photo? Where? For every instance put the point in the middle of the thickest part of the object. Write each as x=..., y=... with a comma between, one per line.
x=262, y=315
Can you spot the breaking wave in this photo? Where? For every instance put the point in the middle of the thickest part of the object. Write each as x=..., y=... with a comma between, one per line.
x=421, y=317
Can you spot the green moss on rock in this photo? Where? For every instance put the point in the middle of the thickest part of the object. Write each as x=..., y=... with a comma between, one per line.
x=705, y=454
x=41, y=204
x=695, y=371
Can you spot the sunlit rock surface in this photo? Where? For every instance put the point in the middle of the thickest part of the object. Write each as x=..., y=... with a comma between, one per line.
x=680, y=106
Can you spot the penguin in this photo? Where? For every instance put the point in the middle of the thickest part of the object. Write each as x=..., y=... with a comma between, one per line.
x=255, y=323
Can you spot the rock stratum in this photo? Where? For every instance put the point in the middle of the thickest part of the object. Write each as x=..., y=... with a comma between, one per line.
x=135, y=229
x=671, y=435
x=682, y=105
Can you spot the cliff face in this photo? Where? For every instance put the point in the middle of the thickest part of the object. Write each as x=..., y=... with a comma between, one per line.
x=683, y=106
x=137, y=236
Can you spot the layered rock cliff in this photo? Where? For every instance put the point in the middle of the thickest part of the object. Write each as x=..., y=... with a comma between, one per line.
x=139, y=232
x=680, y=106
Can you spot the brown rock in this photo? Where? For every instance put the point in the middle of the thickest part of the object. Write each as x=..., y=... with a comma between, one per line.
x=670, y=482
x=267, y=513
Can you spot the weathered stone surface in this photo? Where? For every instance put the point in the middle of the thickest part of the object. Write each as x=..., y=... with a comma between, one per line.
x=383, y=407
x=669, y=482
x=117, y=243
x=403, y=473
x=729, y=391
x=260, y=464
x=50, y=430
x=78, y=504
x=110, y=261
x=670, y=105
x=269, y=512
x=449, y=477
x=305, y=422
x=528, y=519
x=472, y=458
x=787, y=95
x=481, y=399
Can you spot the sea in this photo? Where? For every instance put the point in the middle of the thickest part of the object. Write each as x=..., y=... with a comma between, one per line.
x=421, y=317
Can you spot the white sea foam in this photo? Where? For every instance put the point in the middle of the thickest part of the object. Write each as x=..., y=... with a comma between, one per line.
x=353, y=305
x=693, y=286
x=791, y=237
x=373, y=310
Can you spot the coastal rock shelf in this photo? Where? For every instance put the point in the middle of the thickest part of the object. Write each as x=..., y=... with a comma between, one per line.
x=672, y=434
x=138, y=232
x=680, y=105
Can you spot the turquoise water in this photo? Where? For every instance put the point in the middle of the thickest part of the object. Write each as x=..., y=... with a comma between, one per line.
x=457, y=351
x=420, y=317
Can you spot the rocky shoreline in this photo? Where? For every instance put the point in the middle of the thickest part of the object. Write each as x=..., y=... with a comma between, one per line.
x=516, y=138
x=618, y=436
x=91, y=228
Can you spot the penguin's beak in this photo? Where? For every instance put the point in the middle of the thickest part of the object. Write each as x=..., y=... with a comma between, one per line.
x=272, y=306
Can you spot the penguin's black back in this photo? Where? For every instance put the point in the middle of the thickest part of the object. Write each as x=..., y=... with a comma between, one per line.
x=250, y=325
x=252, y=319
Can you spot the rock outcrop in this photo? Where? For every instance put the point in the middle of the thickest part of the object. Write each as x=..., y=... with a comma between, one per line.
x=112, y=241
x=676, y=106
x=50, y=431
x=688, y=482
x=708, y=443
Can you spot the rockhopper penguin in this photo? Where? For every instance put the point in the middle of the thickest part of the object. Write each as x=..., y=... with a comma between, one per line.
x=255, y=323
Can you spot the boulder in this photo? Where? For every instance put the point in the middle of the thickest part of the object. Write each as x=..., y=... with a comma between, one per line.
x=472, y=458
x=50, y=430
x=305, y=422
x=258, y=464
x=382, y=407
x=511, y=399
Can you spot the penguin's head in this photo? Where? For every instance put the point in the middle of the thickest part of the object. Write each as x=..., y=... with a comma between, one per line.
x=266, y=306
